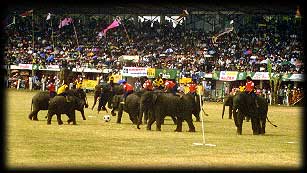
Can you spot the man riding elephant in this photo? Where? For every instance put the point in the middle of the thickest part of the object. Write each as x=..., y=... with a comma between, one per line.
x=58, y=105
x=40, y=101
x=249, y=89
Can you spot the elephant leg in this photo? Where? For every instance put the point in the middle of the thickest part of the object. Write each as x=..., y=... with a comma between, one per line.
x=113, y=113
x=247, y=118
x=146, y=117
x=197, y=117
x=174, y=119
x=119, y=116
x=33, y=115
x=49, y=117
x=150, y=122
x=262, y=123
x=82, y=113
x=179, y=125
x=238, y=118
x=230, y=112
x=255, y=125
x=159, y=120
x=95, y=101
x=190, y=124
x=60, y=122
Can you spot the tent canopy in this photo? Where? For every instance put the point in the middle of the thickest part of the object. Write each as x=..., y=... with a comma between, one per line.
x=134, y=58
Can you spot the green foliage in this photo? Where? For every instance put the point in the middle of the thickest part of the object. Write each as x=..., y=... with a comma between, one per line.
x=94, y=143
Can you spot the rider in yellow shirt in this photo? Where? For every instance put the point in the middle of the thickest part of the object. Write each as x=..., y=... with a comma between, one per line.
x=62, y=91
x=158, y=83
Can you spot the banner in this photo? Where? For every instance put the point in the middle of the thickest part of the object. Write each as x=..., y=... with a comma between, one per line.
x=228, y=75
x=167, y=73
x=21, y=67
x=89, y=84
x=134, y=71
x=296, y=77
x=116, y=78
x=151, y=72
x=260, y=76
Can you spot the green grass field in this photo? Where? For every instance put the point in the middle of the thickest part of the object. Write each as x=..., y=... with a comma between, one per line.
x=96, y=144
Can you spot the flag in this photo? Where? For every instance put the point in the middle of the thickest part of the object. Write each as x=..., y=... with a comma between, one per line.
x=48, y=16
x=182, y=15
x=66, y=21
x=114, y=24
x=231, y=22
x=26, y=13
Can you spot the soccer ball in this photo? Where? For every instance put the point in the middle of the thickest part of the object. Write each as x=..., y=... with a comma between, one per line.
x=107, y=118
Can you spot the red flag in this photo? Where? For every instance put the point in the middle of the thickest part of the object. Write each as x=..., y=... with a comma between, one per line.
x=65, y=22
x=114, y=24
x=26, y=13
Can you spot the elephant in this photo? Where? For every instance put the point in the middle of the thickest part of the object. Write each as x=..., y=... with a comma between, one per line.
x=40, y=101
x=228, y=102
x=162, y=104
x=58, y=105
x=244, y=105
x=131, y=106
x=109, y=92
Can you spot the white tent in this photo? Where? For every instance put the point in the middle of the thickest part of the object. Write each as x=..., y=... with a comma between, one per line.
x=134, y=58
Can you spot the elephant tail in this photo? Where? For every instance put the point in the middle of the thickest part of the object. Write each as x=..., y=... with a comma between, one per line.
x=270, y=122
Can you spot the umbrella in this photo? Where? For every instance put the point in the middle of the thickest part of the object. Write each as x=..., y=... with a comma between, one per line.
x=169, y=50
x=48, y=47
x=50, y=58
x=211, y=52
x=121, y=81
x=42, y=55
x=95, y=49
x=79, y=49
x=264, y=61
x=247, y=52
x=285, y=63
x=253, y=57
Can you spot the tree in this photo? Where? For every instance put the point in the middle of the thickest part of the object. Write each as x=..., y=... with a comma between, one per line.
x=275, y=81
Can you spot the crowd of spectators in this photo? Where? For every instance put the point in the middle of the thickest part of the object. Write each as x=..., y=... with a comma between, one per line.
x=158, y=45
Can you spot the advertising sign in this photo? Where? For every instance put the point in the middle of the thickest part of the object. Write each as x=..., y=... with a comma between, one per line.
x=134, y=71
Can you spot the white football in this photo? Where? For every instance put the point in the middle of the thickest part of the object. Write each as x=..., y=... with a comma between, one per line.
x=107, y=118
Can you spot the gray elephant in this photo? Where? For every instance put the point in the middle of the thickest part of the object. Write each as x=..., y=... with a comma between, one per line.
x=40, y=101
x=228, y=102
x=162, y=104
x=244, y=105
x=106, y=92
x=131, y=106
x=58, y=105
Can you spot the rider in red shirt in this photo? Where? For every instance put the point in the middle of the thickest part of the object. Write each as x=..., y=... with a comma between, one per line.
x=170, y=86
x=148, y=85
x=128, y=89
x=249, y=88
x=51, y=88
x=192, y=87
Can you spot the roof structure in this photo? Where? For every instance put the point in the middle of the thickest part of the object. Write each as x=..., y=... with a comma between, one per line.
x=158, y=8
